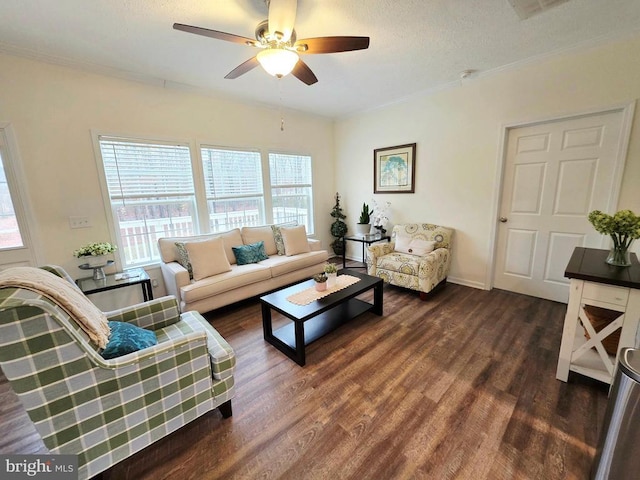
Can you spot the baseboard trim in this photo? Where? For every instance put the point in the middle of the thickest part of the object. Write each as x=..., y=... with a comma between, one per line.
x=467, y=283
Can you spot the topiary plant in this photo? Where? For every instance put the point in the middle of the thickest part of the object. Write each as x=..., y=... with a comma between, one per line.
x=338, y=227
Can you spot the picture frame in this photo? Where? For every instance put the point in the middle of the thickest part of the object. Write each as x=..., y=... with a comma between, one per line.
x=394, y=169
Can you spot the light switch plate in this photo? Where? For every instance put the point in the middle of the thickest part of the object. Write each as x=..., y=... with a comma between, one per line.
x=79, y=222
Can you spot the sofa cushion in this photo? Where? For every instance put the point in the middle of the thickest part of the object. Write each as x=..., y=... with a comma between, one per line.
x=257, y=234
x=277, y=235
x=231, y=239
x=238, y=276
x=295, y=240
x=281, y=265
x=399, y=262
x=207, y=258
x=251, y=253
x=169, y=251
x=127, y=338
x=414, y=246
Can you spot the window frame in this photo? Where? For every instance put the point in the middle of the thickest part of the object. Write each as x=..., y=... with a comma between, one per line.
x=200, y=215
x=110, y=208
x=311, y=215
x=264, y=214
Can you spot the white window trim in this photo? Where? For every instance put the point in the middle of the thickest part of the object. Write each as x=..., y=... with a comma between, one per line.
x=201, y=217
x=20, y=197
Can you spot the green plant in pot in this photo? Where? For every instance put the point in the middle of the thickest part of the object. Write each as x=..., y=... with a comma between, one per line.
x=321, y=281
x=338, y=227
x=363, y=226
x=331, y=270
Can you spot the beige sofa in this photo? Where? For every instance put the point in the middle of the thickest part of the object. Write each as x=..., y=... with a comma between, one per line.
x=241, y=281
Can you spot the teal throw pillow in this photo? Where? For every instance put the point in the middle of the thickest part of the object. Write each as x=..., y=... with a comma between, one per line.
x=126, y=338
x=251, y=253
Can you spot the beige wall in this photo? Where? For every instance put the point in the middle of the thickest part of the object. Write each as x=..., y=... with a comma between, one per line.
x=458, y=130
x=53, y=110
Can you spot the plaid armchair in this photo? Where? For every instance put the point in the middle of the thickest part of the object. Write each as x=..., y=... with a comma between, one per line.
x=423, y=273
x=106, y=410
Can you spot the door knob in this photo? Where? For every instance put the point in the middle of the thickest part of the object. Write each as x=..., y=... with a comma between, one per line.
x=503, y=219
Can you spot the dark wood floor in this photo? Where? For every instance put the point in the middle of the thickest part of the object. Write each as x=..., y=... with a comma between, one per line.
x=460, y=386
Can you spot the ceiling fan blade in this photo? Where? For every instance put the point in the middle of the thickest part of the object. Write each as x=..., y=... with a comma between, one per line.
x=282, y=16
x=331, y=44
x=243, y=68
x=229, y=37
x=303, y=73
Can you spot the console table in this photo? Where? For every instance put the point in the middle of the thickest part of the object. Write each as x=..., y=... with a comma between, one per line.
x=596, y=283
x=136, y=276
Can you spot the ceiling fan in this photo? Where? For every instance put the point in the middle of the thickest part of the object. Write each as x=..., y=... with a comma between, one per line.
x=278, y=44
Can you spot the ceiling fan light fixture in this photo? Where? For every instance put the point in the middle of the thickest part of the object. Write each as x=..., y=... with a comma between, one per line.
x=277, y=61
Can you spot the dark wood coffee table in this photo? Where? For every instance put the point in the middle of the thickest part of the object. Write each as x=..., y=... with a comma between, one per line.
x=312, y=321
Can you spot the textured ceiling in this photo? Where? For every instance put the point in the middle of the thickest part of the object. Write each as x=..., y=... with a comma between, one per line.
x=416, y=45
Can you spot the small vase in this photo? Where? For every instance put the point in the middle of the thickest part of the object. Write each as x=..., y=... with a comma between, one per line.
x=331, y=279
x=619, y=256
x=321, y=287
x=96, y=260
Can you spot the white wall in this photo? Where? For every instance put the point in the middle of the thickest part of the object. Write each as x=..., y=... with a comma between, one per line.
x=53, y=109
x=457, y=132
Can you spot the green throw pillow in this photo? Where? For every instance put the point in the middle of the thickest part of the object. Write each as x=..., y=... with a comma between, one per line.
x=251, y=253
x=126, y=338
x=183, y=258
x=277, y=235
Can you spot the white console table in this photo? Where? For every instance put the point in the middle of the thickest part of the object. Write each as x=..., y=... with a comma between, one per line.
x=594, y=282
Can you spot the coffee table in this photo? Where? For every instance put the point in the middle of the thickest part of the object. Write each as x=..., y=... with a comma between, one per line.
x=312, y=321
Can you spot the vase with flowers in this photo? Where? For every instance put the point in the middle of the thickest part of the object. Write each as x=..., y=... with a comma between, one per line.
x=623, y=227
x=381, y=218
x=95, y=255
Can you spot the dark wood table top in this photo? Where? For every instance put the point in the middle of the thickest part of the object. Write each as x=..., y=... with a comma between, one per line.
x=589, y=264
x=278, y=299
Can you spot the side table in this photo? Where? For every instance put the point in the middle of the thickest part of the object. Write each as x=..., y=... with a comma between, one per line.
x=135, y=276
x=598, y=284
x=366, y=240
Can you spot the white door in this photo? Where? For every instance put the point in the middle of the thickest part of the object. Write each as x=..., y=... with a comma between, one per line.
x=15, y=241
x=555, y=174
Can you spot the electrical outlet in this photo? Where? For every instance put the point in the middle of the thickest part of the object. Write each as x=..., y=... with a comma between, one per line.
x=79, y=222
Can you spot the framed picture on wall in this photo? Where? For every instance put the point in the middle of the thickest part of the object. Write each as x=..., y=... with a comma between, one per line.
x=394, y=169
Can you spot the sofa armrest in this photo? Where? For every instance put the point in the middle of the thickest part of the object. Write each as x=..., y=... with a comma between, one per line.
x=175, y=277
x=152, y=315
x=374, y=252
x=435, y=265
x=315, y=245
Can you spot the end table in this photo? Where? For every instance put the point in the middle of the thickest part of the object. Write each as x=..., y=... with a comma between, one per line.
x=135, y=276
x=366, y=240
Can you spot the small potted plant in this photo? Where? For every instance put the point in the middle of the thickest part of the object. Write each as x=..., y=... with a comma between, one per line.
x=363, y=226
x=95, y=252
x=331, y=270
x=321, y=281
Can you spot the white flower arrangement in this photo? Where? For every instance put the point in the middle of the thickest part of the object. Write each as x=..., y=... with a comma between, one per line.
x=380, y=218
x=94, y=249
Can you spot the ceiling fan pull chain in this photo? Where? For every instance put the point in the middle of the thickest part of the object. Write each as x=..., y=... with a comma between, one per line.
x=280, y=95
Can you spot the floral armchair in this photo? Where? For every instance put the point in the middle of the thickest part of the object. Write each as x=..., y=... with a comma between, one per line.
x=104, y=410
x=424, y=267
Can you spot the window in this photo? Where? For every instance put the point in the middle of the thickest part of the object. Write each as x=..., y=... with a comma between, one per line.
x=291, y=189
x=151, y=190
x=154, y=192
x=10, y=236
x=233, y=186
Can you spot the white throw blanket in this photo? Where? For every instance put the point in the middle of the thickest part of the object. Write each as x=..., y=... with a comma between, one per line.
x=61, y=292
